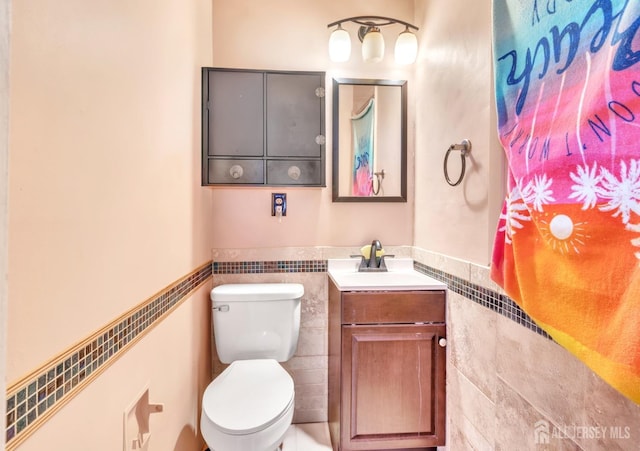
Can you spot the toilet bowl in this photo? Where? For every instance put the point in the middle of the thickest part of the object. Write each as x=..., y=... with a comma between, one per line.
x=248, y=407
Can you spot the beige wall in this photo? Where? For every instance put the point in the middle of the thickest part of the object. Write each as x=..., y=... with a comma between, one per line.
x=4, y=144
x=105, y=207
x=172, y=360
x=293, y=35
x=454, y=88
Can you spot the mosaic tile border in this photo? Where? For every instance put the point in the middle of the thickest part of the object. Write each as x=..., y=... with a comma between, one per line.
x=490, y=299
x=275, y=266
x=39, y=395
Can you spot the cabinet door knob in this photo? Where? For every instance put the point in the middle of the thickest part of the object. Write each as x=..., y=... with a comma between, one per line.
x=320, y=140
x=293, y=172
x=236, y=171
x=442, y=342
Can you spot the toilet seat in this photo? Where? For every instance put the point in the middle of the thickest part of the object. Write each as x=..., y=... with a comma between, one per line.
x=248, y=396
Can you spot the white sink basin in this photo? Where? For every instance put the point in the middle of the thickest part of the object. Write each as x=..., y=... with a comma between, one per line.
x=400, y=276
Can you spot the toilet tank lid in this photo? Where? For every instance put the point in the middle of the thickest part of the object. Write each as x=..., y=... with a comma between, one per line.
x=246, y=292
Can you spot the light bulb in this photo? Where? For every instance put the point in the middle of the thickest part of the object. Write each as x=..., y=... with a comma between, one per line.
x=406, y=49
x=373, y=46
x=339, y=45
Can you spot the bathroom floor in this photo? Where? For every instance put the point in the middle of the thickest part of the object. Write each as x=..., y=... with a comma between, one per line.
x=307, y=437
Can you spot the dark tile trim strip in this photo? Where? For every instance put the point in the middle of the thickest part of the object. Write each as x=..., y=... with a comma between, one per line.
x=490, y=299
x=276, y=266
x=497, y=302
x=39, y=395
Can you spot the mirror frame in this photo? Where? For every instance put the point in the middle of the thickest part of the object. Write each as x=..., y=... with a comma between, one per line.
x=402, y=84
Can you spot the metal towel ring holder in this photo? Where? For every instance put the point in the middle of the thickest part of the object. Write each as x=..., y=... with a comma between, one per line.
x=464, y=147
x=379, y=177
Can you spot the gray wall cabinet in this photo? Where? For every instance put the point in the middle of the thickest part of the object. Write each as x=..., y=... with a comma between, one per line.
x=263, y=127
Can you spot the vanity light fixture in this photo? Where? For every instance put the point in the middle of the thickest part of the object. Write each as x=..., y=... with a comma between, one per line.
x=406, y=47
x=339, y=45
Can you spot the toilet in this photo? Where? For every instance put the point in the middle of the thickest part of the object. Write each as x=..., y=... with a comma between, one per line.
x=249, y=406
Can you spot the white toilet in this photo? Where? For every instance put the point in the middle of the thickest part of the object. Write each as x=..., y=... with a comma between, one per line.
x=249, y=406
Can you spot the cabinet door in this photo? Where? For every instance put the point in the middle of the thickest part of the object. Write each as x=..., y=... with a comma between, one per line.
x=236, y=113
x=393, y=387
x=294, y=172
x=232, y=171
x=294, y=115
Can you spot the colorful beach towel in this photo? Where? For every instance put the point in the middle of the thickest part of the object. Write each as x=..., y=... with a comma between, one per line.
x=567, y=249
x=363, y=129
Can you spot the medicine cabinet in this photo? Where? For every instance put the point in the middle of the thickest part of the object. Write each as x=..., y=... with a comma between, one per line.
x=263, y=127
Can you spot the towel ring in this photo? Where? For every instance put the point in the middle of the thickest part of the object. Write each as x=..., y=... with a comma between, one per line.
x=464, y=147
x=379, y=178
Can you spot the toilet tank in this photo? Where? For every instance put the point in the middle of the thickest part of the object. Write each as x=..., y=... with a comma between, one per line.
x=256, y=320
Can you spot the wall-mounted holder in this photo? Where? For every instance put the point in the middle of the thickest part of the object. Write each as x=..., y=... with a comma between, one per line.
x=136, y=422
x=379, y=177
x=465, y=148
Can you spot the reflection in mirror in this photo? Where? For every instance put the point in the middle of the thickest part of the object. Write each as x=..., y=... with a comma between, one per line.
x=369, y=140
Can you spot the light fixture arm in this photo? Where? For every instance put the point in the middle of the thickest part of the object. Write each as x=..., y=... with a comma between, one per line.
x=368, y=21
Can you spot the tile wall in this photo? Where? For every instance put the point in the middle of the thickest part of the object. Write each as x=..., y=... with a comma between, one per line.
x=509, y=387
x=508, y=384
x=507, y=381
x=307, y=266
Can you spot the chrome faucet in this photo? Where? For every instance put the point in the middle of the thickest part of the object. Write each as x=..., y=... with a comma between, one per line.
x=374, y=260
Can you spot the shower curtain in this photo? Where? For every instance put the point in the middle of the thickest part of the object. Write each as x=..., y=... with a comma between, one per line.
x=567, y=248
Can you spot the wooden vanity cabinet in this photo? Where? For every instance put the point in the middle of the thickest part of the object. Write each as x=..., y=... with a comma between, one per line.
x=387, y=362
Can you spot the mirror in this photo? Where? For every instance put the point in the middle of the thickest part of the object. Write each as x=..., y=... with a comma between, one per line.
x=369, y=140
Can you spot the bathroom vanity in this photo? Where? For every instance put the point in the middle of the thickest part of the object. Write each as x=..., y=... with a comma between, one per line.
x=387, y=360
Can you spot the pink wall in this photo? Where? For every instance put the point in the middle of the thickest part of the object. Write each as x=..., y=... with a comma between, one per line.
x=452, y=80
x=105, y=207
x=103, y=164
x=454, y=85
x=173, y=360
x=4, y=148
x=293, y=35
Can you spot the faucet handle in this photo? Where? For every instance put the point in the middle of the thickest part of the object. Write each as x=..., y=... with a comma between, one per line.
x=383, y=264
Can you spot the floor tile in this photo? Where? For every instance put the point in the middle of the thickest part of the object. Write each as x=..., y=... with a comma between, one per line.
x=307, y=437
